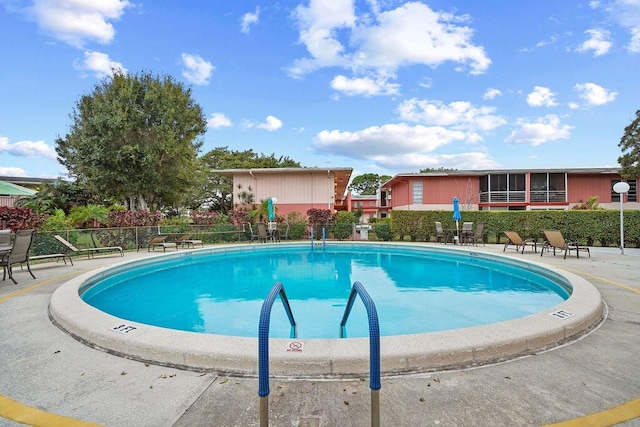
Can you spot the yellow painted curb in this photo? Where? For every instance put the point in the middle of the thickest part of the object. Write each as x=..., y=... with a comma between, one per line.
x=44, y=282
x=602, y=279
x=29, y=415
x=609, y=417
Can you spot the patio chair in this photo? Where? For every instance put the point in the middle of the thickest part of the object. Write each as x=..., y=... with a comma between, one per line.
x=19, y=254
x=5, y=238
x=187, y=241
x=254, y=233
x=90, y=252
x=555, y=240
x=263, y=235
x=285, y=236
x=513, y=238
x=440, y=233
x=159, y=242
x=466, y=232
x=478, y=234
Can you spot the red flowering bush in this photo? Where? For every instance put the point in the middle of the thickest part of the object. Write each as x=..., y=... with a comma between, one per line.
x=141, y=218
x=20, y=219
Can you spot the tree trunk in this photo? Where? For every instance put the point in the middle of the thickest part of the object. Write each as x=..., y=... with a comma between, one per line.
x=136, y=203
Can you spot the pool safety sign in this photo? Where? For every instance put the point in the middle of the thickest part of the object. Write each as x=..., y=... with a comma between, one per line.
x=295, y=347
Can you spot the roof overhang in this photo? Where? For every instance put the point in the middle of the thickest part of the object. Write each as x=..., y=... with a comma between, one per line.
x=341, y=176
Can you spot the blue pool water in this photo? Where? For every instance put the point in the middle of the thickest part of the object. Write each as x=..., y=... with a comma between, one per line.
x=415, y=290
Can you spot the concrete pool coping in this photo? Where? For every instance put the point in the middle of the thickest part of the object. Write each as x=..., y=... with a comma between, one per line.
x=328, y=358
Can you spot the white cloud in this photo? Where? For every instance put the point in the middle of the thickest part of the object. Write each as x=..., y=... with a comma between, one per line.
x=462, y=161
x=9, y=171
x=544, y=129
x=634, y=43
x=460, y=115
x=574, y=105
x=541, y=97
x=402, y=147
x=553, y=39
x=377, y=141
x=626, y=13
x=271, y=124
x=366, y=86
x=78, y=21
x=379, y=43
x=415, y=34
x=218, y=120
x=197, y=70
x=27, y=148
x=595, y=94
x=492, y=93
x=99, y=64
x=598, y=42
x=249, y=19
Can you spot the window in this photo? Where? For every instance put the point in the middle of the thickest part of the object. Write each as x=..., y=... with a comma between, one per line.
x=548, y=187
x=632, y=194
x=417, y=192
x=498, y=182
x=516, y=182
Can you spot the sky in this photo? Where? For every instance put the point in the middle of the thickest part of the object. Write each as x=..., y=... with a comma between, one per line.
x=381, y=86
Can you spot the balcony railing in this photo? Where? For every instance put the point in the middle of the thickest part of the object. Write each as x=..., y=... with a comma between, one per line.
x=548, y=196
x=503, y=197
x=521, y=196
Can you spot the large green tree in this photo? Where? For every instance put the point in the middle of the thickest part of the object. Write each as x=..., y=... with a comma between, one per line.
x=135, y=138
x=218, y=190
x=368, y=183
x=630, y=146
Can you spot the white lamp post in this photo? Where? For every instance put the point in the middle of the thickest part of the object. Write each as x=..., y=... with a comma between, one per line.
x=621, y=188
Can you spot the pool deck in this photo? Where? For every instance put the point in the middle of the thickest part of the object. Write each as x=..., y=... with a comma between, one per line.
x=47, y=374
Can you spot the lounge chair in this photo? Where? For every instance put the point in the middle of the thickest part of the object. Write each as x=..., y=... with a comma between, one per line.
x=19, y=254
x=90, y=252
x=159, y=242
x=440, y=233
x=513, y=238
x=555, y=240
x=478, y=234
x=187, y=241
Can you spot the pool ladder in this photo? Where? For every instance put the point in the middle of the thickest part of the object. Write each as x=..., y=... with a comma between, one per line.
x=323, y=242
x=263, y=346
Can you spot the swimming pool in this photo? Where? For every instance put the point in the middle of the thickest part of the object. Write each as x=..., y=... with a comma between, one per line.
x=333, y=357
x=415, y=290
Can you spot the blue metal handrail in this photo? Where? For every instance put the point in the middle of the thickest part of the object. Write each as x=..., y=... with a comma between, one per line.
x=374, y=345
x=311, y=235
x=263, y=346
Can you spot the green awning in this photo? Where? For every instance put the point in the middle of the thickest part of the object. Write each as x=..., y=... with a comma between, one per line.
x=9, y=189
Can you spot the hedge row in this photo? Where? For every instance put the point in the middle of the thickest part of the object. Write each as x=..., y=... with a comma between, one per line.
x=588, y=227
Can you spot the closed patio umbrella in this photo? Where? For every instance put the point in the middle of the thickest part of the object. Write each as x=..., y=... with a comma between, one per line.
x=456, y=213
x=270, y=211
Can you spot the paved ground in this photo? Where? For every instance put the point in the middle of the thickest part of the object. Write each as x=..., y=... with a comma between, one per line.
x=45, y=374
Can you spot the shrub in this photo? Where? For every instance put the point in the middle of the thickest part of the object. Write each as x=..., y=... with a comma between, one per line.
x=206, y=217
x=16, y=219
x=140, y=218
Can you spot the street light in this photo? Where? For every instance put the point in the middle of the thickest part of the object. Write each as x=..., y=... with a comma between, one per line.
x=621, y=188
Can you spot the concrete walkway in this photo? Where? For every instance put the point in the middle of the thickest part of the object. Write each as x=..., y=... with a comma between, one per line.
x=46, y=374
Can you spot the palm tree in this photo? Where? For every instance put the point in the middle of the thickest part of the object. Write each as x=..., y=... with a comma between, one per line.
x=90, y=214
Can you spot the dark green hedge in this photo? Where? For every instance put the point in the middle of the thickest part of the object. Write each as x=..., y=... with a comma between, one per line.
x=589, y=227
